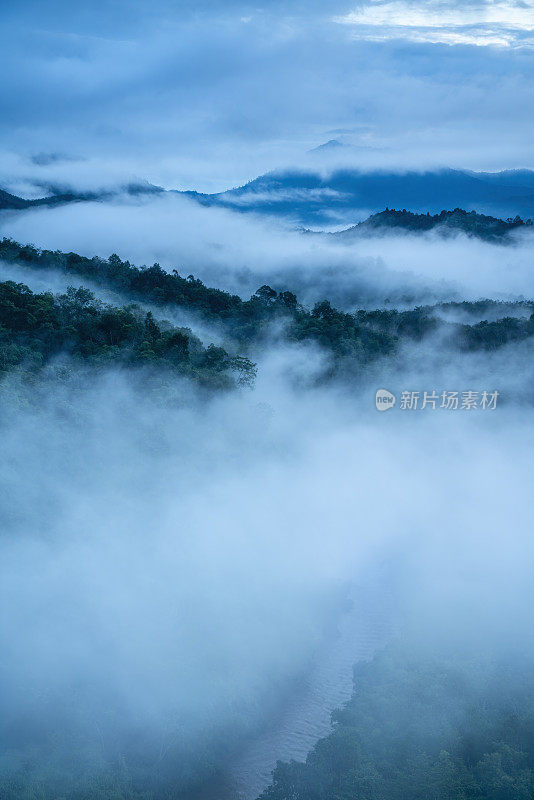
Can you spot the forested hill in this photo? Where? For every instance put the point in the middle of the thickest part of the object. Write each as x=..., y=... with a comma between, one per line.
x=58, y=196
x=446, y=223
x=424, y=727
x=12, y=201
x=35, y=328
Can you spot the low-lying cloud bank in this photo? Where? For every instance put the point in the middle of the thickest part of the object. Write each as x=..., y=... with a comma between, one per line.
x=239, y=253
x=167, y=570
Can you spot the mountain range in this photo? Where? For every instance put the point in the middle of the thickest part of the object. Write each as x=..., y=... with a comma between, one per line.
x=342, y=196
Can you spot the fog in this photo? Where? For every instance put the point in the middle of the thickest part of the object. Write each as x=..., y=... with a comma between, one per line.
x=168, y=571
x=188, y=572
x=240, y=253
x=172, y=564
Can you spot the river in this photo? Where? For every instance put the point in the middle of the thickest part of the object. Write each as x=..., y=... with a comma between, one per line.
x=363, y=627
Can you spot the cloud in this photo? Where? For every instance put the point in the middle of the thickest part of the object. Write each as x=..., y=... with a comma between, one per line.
x=170, y=565
x=175, y=566
x=502, y=23
x=200, y=99
x=239, y=253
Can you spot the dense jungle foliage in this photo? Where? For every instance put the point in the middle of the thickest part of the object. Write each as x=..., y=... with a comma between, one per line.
x=446, y=222
x=420, y=727
x=37, y=327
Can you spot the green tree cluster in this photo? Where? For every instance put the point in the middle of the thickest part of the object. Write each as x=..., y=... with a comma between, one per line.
x=420, y=727
x=36, y=328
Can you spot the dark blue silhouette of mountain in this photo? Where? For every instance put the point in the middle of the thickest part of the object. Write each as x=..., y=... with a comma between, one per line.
x=344, y=195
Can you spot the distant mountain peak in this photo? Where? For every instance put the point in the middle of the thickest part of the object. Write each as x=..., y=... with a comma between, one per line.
x=331, y=144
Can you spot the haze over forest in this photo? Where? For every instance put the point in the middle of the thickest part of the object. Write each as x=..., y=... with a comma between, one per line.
x=227, y=572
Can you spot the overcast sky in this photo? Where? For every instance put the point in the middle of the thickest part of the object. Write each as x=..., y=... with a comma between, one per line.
x=209, y=94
